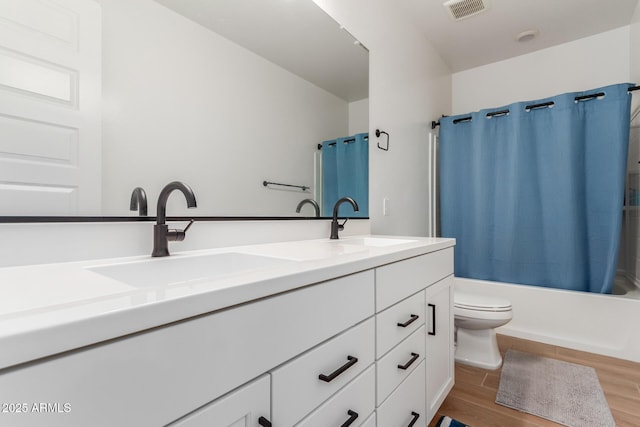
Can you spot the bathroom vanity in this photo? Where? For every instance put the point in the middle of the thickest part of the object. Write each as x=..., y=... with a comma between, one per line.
x=356, y=331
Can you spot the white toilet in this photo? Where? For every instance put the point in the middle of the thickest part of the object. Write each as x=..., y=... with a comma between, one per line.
x=475, y=318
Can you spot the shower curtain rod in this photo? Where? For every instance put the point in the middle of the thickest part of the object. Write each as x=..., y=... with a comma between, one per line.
x=434, y=123
x=346, y=141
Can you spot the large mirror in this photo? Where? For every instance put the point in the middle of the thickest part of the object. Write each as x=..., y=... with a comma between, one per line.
x=222, y=95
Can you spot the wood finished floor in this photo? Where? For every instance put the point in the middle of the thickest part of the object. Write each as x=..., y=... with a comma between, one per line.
x=472, y=400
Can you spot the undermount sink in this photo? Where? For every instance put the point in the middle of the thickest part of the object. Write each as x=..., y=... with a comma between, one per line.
x=179, y=269
x=374, y=241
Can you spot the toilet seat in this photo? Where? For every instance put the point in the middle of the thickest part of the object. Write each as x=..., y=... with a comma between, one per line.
x=474, y=302
x=475, y=318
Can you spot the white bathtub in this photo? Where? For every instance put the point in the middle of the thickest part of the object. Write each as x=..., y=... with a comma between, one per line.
x=603, y=324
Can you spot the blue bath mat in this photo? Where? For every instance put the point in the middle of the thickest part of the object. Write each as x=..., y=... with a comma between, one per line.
x=449, y=422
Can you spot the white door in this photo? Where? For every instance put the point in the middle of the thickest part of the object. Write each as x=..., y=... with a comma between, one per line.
x=50, y=90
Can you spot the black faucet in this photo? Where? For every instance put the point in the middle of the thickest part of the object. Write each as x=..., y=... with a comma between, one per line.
x=162, y=235
x=335, y=227
x=138, y=201
x=311, y=202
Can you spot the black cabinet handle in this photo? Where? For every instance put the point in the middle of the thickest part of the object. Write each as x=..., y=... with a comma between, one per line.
x=413, y=318
x=433, y=319
x=328, y=378
x=352, y=417
x=414, y=357
x=415, y=418
x=264, y=422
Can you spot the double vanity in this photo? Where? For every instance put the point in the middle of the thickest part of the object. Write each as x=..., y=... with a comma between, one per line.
x=356, y=331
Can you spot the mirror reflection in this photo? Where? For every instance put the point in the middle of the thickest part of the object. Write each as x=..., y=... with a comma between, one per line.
x=222, y=95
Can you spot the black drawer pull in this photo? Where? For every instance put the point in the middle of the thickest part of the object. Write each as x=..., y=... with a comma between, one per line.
x=264, y=422
x=415, y=418
x=328, y=378
x=414, y=357
x=413, y=318
x=433, y=319
x=352, y=417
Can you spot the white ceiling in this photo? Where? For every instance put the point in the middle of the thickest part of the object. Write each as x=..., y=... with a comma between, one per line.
x=490, y=36
x=296, y=35
x=300, y=37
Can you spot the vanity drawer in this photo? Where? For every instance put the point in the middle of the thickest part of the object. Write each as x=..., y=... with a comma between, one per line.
x=409, y=353
x=356, y=401
x=250, y=403
x=297, y=387
x=397, y=322
x=406, y=403
x=370, y=422
x=397, y=281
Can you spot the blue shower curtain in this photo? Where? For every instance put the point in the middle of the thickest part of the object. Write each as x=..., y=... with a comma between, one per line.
x=536, y=196
x=345, y=172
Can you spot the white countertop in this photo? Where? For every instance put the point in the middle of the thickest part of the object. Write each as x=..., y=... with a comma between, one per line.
x=51, y=308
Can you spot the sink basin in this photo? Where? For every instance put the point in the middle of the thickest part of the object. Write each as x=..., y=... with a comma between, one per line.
x=374, y=241
x=181, y=269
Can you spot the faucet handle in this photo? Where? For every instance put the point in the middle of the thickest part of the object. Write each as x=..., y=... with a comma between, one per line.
x=189, y=225
x=341, y=226
x=175, y=235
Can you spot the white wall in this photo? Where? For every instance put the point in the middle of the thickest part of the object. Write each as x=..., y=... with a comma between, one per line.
x=580, y=65
x=634, y=48
x=631, y=233
x=34, y=243
x=359, y=116
x=182, y=103
x=409, y=85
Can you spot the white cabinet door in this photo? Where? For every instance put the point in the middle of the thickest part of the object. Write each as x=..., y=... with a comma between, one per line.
x=440, y=344
x=246, y=407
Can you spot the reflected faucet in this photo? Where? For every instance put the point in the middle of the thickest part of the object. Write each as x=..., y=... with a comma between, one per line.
x=311, y=202
x=138, y=201
x=162, y=235
x=335, y=227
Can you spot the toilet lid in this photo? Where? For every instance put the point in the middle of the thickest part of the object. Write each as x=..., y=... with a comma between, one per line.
x=481, y=302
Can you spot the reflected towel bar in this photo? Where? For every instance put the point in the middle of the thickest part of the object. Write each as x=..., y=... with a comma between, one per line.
x=302, y=187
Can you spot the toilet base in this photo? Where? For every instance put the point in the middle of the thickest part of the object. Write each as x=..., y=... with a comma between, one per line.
x=478, y=348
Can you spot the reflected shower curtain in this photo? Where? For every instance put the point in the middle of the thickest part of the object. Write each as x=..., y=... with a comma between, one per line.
x=535, y=196
x=345, y=172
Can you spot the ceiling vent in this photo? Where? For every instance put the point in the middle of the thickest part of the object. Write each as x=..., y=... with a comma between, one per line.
x=461, y=9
